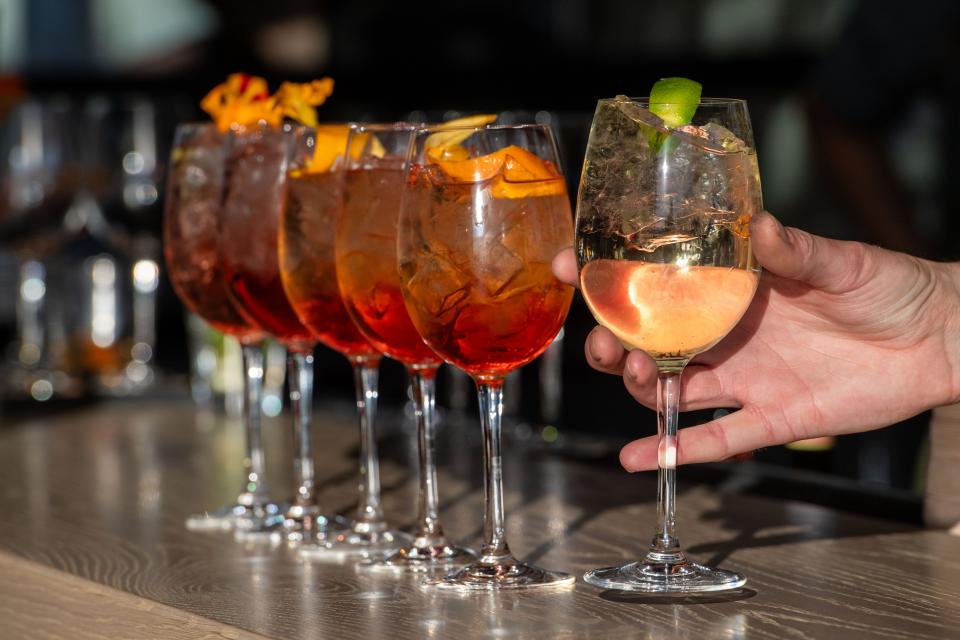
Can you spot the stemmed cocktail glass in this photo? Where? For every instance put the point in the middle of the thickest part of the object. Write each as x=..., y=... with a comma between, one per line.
x=309, y=274
x=665, y=262
x=256, y=161
x=366, y=257
x=483, y=214
x=191, y=246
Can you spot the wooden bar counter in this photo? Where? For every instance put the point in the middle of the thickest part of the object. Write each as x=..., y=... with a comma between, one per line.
x=92, y=543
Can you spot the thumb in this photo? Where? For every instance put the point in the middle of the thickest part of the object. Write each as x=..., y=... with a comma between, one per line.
x=834, y=266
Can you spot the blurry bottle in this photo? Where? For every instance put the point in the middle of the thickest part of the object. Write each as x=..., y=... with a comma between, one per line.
x=94, y=304
x=123, y=178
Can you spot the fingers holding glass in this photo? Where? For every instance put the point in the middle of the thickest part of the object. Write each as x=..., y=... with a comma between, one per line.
x=740, y=432
x=565, y=267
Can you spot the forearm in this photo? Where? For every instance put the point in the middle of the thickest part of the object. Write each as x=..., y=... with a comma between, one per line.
x=947, y=303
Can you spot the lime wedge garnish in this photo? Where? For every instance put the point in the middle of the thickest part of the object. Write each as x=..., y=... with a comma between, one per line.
x=675, y=100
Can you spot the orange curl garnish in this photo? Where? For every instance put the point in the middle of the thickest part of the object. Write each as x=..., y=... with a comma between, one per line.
x=299, y=101
x=244, y=100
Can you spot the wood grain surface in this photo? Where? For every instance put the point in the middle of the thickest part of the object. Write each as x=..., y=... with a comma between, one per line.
x=101, y=493
x=40, y=602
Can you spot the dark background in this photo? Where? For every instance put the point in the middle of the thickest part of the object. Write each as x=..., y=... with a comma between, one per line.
x=849, y=102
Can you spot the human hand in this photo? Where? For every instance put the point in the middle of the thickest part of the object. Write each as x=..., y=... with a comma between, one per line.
x=841, y=337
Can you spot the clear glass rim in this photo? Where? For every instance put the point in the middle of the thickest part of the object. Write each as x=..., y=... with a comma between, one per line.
x=709, y=101
x=434, y=127
x=352, y=125
x=299, y=128
x=385, y=127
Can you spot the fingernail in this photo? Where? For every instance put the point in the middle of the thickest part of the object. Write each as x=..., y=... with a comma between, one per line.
x=781, y=231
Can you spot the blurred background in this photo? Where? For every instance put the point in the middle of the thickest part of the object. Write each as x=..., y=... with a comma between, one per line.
x=848, y=101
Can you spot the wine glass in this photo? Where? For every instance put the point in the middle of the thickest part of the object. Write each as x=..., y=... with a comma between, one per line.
x=131, y=205
x=309, y=274
x=663, y=247
x=256, y=161
x=194, y=200
x=366, y=257
x=483, y=213
x=39, y=174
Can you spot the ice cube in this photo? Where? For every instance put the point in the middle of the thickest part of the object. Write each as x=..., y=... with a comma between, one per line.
x=437, y=285
x=495, y=266
x=380, y=300
x=446, y=227
x=723, y=138
x=638, y=114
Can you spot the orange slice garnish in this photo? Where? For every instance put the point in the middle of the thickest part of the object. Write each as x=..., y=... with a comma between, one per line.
x=521, y=173
x=331, y=144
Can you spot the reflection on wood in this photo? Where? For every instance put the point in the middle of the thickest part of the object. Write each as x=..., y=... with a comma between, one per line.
x=101, y=493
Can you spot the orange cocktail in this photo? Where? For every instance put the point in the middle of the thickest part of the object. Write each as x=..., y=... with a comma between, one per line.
x=484, y=212
x=366, y=252
x=309, y=274
x=479, y=285
x=257, y=147
x=366, y=249
x=190, y=229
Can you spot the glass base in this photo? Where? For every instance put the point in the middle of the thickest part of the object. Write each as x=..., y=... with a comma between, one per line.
x=257, y=520
x=661, y=577
x=317, y=527
x=361, y=540
x=489, y=576
x=221, y=519
x=424, y=555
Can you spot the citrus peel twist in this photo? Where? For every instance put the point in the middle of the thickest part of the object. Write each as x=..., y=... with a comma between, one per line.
x=516, y=172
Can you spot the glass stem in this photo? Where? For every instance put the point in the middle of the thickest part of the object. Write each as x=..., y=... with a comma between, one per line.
x=665, y=547
x=365, y=375
x=423, y=384
x=300, y=375
x=495, y=549
x=254, y=490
